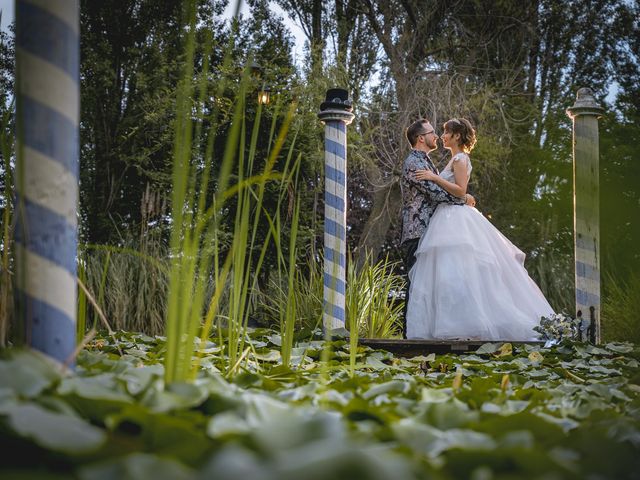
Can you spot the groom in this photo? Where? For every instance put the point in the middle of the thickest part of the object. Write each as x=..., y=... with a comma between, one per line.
x=420, y=197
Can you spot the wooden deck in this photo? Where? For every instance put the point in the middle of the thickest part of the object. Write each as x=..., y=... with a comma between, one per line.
x=410, y=348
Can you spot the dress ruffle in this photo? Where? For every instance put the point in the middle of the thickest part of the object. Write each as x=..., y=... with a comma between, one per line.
x=469, y=281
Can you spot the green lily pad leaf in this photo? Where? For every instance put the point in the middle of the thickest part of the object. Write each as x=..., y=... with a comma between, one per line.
x=535, y=357
x=137, y=466
x=505, y=350
x=565, y=423
x=299, y=393
x=435, y=395
x=376, y=364
x=431, y=441
x=54, y=431
x=486, y=348
x=421, y=358
x=260, y=408
x=446, y=415
x=339, y=332
x=509, y=407
x=603, y=370
x=619, y=347
x=29, y=372
x=139, y=379
x=387, y=387
x=175, y=396
x=593, y=350
x=99, y=387
x=227, y=423
x=517, y=438
x=603, y=391
x=341, y=398
x=473, y=358
x=268, y=356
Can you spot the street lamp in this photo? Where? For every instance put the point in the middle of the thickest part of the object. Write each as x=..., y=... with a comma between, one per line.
x=264, y=95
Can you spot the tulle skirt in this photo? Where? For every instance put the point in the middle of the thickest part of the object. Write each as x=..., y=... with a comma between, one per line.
x=469, y=282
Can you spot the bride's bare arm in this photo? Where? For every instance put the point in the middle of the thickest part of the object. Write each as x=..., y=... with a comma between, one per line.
x=458, y=189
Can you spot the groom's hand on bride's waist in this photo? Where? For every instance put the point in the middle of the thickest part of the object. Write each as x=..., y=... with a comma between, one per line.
x=470, y=200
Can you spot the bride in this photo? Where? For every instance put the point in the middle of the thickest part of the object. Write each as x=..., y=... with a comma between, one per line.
x=469, y=280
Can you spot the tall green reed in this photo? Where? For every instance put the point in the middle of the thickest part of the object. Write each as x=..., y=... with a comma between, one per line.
x=621, y=308
x=371, y=299
x=196, y=249
x=129, y=284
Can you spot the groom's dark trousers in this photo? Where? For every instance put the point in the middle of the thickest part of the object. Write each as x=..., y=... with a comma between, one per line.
x=409, y=246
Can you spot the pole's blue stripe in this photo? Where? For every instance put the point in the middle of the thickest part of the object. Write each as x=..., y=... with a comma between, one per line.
x=334, y=283
x=49, y=38
x=335, y=175
x=585, y=270
x=334, y=201
x=46, y=234
x=50, y=133
x=335, y=148
x=337, y=125
x=335, y=257
x=51, y=331
x=334, y=228
x=586, y=298
x=334, y=310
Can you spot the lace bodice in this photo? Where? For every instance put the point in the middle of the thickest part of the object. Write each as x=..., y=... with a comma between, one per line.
x=447, y=172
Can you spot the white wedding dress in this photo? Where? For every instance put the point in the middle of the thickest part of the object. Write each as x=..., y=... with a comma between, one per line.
x=469, y=280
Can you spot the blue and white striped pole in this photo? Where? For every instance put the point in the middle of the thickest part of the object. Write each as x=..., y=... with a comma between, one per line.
x=336, y=114
x=48, y=111
x=586, y=212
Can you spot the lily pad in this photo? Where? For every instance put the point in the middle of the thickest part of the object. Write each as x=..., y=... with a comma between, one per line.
x=54, y=431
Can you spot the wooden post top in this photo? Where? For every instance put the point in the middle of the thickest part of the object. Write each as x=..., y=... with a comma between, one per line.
x=585, y=104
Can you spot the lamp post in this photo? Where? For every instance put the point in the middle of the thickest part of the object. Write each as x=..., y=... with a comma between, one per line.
x=48, y=98
x=586, y=210
x=336, y=114
x=264, y=94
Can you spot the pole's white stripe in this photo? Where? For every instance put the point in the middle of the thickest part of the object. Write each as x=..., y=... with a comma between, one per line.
x=335, y=135
x=65, y=10
x=45, y=281
x=335, y=161
x=334, y=243
x=334, y=269
x=335, y=215
x=49, y=85
x=50, y=185
x=335, y=298
x=336, y=189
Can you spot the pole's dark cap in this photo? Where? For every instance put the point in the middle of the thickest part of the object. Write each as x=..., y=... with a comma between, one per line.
x=337, y=99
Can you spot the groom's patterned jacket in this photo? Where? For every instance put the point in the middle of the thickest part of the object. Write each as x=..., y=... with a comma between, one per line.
x=420, y=197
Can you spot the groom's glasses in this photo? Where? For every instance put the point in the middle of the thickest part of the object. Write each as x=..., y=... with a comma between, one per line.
x=427, y=133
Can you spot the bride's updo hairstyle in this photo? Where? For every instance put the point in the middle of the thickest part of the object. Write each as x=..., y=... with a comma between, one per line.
x=466, y=131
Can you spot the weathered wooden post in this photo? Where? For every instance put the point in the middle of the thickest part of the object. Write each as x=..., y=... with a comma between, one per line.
x=586, y=210
x=48, y=97
x=336, y=114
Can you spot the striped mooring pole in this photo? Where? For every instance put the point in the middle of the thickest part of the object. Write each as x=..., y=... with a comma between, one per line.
x=336, y=114
x=586, y=211
x=48, y=111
